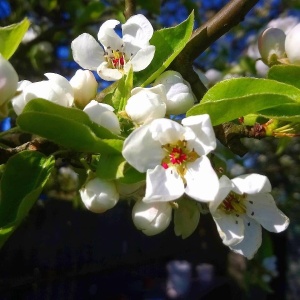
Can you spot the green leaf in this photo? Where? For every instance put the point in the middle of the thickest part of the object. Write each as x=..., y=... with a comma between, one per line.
x=233, y=98
x=68, y=127
x=289, y=74
x=23, y=180
x=110, y=167
x=91, y=12
x=123, y=91
x=168, y=44
x=11, y=36
x=115, y=167
x=288, y=112
x=186, y=217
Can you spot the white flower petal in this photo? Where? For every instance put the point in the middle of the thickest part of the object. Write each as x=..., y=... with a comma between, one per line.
x=230, y=227
x=151, y=218
x=263, y=209
x=145, y=105
x=103, y=115
x=200, y=134
x=251, y=184
x=141, y=151
x=107, y=73
x=137, y=28
x=142, y=59
x=18, y=102
x=163, y=185
x=87, y=52
x=252, y=239
x=62, y=87
x=166, y=131
x=108, y=37
x=202, y=180
x=224, y=189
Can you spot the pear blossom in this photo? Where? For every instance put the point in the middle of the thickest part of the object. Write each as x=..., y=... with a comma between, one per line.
x=292, y=45
x=117, y=54
x=56, y=89
x=146, y=104
x=151, y=218
x=271, y=45
x=180, y=97
x=103, y=115
x=174, y=157
x=85, y=87
x=242, y=206
x=99, y=195
x=8, y=80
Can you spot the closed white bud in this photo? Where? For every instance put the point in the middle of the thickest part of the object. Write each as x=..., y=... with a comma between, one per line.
x=271, y=45
x=103, y=114
x=146, y=104
x=292, y=45
x=151, y=218
x=99, y=195
x=8, y=80
x=180, y=97
x=56, y=89
x=85, y=87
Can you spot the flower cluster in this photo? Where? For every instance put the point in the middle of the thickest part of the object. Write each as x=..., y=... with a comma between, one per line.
x=171, y=153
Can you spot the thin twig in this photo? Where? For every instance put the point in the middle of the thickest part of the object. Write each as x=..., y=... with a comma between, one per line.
x=130, y=8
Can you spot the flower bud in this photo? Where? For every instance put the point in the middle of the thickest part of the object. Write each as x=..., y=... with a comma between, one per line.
x=271, y=45
x=85, y=87
x=56, y=89
x=179, y=94
x=8, y=80
x=146, y=104
x=103, y=115
x=99, y=195
x=292, y=45
x=151, y=218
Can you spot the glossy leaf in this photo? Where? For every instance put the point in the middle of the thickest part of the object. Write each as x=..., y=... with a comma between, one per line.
x=11, y=36
x=168, y=43
x=23, y=180
x=233, y=98
x=68, y=127
x=289, y=74
x=186, y=217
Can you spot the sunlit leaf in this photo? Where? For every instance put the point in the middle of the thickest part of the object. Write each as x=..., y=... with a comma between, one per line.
x=11, y=36
x=168, y=43
x=289, y=74
x=68, y=127
x=233, y=98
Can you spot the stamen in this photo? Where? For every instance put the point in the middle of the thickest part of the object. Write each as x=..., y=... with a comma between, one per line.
x=233, y=203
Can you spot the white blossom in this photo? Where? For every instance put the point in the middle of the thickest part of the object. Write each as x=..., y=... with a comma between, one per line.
x=271, y=45
x=292, y=43
x=8, y=80
x=180, y=97
x=146, y=104
x=242, y=206
x=99, y=195
x=103, y=115
x=56, y=89
x=174, y=157
x=85, y=87
x=151, y=218
x=118, y=54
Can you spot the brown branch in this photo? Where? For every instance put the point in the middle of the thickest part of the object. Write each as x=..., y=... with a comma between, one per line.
x=229, y=16
x=130, y=8
x=37, y=144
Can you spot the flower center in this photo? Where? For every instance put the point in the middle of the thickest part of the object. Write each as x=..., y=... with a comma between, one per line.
x=234, y=204
x=177, y=155
x=115, y=58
